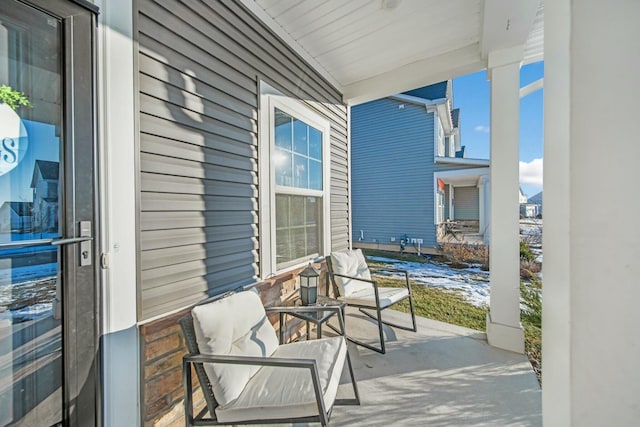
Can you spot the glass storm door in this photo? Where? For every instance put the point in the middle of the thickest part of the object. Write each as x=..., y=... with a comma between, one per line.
x=48, y=317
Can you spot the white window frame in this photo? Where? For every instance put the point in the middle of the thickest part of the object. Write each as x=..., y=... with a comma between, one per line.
x=438, y=136
x=270, y=100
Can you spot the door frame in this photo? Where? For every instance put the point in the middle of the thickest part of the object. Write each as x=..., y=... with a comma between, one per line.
x=81, y=302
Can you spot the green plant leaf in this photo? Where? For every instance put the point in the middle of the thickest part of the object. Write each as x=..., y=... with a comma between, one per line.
x=13, y=98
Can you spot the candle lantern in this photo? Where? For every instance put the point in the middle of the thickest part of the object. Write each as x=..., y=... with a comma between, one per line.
x=309, y=278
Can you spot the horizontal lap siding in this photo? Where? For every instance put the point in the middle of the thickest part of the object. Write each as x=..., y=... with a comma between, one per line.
x=392, y=172
x=199, y=64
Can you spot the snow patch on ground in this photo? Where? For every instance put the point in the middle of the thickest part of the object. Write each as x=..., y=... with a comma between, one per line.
x=472, y=282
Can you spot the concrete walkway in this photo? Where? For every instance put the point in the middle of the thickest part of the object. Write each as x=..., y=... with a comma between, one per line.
x=442, y=375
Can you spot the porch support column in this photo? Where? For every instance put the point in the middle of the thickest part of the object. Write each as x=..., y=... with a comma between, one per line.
x=503, y=321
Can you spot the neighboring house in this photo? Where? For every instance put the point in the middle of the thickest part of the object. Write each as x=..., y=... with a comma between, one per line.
x=530, y=207
x=15, y=216
x=522, y=198
x=45, y=195
x=537, y=200
x=409, y=171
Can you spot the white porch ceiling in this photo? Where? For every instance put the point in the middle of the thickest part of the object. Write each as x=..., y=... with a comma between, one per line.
x=374, y=48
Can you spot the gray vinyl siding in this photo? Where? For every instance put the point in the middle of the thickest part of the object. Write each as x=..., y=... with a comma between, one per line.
x=199, y=63
x=392, y=172
x=466, y=203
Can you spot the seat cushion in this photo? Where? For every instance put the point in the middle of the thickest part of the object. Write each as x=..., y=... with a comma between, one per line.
x=350, y=263
x=367, y=297
x=275, y=392
x=234, y=325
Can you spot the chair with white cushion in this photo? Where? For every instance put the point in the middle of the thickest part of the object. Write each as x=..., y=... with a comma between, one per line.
x=248, y=377
x=352, y=283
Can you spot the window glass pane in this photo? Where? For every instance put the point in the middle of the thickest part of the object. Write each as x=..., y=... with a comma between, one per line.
x=312, y=238
x=301, y=171
x=283, y=253
x=315, y=175
x=298, y=243
x=282, y=211
x=298, y=227
x=315, y=144
x=283, y=129
x=283, y=168
x=300, y=139
x=296, y=211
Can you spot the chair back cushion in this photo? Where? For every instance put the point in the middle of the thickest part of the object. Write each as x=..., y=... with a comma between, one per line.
x=234, y=325
x=350, y=263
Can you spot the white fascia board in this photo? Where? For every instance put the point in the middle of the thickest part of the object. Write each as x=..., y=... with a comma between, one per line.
x=444, y=111
x=417, y=100
x=463, y=161
x=482, y=171
x=286, y=37
x=420, y=73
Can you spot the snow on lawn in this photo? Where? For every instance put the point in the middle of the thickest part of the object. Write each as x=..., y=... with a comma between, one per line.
x=472, y=282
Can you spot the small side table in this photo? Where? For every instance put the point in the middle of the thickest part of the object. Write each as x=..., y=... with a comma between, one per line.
x=321, y=317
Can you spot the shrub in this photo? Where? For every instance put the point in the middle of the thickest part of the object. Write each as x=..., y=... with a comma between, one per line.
x=460, y=253
x=525, y=252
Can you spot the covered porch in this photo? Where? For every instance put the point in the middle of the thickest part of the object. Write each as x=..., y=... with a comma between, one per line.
x=441, y=375
x=366, y=50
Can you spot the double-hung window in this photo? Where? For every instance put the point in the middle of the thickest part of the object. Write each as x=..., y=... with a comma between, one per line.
x=294, y=183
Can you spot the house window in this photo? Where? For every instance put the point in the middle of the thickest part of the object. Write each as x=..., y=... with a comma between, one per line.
x=294, y=183
x=439, y=206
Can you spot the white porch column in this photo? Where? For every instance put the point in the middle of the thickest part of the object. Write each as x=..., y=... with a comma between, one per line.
x=503, y=321
x=591, y=236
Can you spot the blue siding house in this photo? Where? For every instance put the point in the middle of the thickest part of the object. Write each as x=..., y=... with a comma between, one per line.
x=409, y=173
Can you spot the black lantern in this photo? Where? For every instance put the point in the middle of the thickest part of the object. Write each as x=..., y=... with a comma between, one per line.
x=309, y=285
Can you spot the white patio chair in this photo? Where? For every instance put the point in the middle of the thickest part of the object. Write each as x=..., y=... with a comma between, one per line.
x=352, y=283
x=248, y=377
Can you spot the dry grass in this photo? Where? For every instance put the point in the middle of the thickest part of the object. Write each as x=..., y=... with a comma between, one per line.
x=464, y=253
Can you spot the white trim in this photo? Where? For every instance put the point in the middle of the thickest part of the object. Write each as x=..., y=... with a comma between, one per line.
x=416, y=74
x=436, y=119
x=462, y=172
x=116, y=144
x=263, y=16
x=417, y=100
x=270, y=99
x=463, y=161
x=451, y=197
x=532, y=87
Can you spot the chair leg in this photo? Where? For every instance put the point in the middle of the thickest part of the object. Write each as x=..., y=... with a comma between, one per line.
x=413, y=313
x=356, y=400
x=187, y=386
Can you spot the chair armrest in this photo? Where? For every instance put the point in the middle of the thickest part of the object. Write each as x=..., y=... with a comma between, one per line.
x=251, y=360
x=279, y=362
x=302, y=309
x=396, y=270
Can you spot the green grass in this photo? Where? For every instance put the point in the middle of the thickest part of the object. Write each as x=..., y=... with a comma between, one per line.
x=439, y=304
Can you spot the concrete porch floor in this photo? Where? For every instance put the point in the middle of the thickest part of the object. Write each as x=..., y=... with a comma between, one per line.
x=442, y=375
